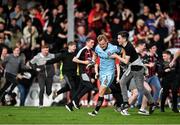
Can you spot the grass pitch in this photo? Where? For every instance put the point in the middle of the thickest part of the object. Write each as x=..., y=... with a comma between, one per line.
x=59, y=115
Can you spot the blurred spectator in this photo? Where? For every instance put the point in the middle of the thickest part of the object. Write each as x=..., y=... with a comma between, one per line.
x=116, y=27
x=61, y=12
x=4, y=54
x=158, y=10
x=145, y=14
x=18, y=15
x=150, y=22
x=152, y=64
x=62, y=35
x=169, y=23
x=142, y=32
x=95, y=18
x=16, y=34
x=3, y=15
x=80, y=19
x=30, y=35
x=162, y=30
x=38, y=15
x=81, y=37
x=128, y=19
x=54, y=19
x=2, y=41
x=48, y=38
x=176, y=40
x=36, y=19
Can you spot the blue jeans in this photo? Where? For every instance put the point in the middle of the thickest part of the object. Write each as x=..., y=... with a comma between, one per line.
x=153, y=81
x=23, y=93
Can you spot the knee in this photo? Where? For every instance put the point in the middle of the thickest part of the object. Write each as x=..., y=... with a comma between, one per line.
x=41, y=91
x=135, y=93
x=148, y=89
x=159, y=87
x=141, y=89
x=122, y=83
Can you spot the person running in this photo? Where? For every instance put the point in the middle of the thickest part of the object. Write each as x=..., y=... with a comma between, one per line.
x=84, y=60
x=13, y=64
x=135, y=70
x=45, y=73
x=69, y=69
x=106, y=73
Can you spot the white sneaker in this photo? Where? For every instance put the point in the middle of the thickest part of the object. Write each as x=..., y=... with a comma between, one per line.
x=40, y=106
x=75, y=105
x=143, y=112
x=94, y=113
x=124, y=112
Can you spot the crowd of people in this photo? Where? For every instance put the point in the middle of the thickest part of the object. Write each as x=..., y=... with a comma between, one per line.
x=117, y=45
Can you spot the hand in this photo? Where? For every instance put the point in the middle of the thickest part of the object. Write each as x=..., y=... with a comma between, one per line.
x=32, y=48
x=167, y=70
x=19, y=76
x=171, y=64
x=151, y=64
x=117, y=80
x=38, y=69
x=93, y=80
x=114, y=55
x=86, y=62
x=96, y=75
x=47, y=10
x=91, y=63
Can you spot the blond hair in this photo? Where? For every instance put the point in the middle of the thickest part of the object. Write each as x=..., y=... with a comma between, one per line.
x=102, y=37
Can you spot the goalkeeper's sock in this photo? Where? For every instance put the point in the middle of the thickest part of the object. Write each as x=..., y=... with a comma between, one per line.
x=99, y=103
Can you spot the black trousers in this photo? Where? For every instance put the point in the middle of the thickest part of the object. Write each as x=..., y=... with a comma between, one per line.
x=44, y=82
x=166, y=85
x=116, y=92
x=84, y=87
x=10, y=81
x=71, y=85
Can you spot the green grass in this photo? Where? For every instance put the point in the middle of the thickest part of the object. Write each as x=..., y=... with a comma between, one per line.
x=59, y=115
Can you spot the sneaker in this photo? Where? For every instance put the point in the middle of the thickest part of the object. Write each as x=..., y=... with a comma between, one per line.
x=69, y=107
x=162, y=110
x=94, y=113
x=124, y=106
x=125, y=112
x=160, y=93
x=40, y=106
x=55, y=94
x=152, y=108
x=143, y=112
x=175, y=110
x=138, y=106
x=117, y=109
x=75, y=104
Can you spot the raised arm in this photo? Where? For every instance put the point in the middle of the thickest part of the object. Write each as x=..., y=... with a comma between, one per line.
x=58, y=57
x=176, y=55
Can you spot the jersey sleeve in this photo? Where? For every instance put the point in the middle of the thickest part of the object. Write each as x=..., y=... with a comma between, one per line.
x=118, y=49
